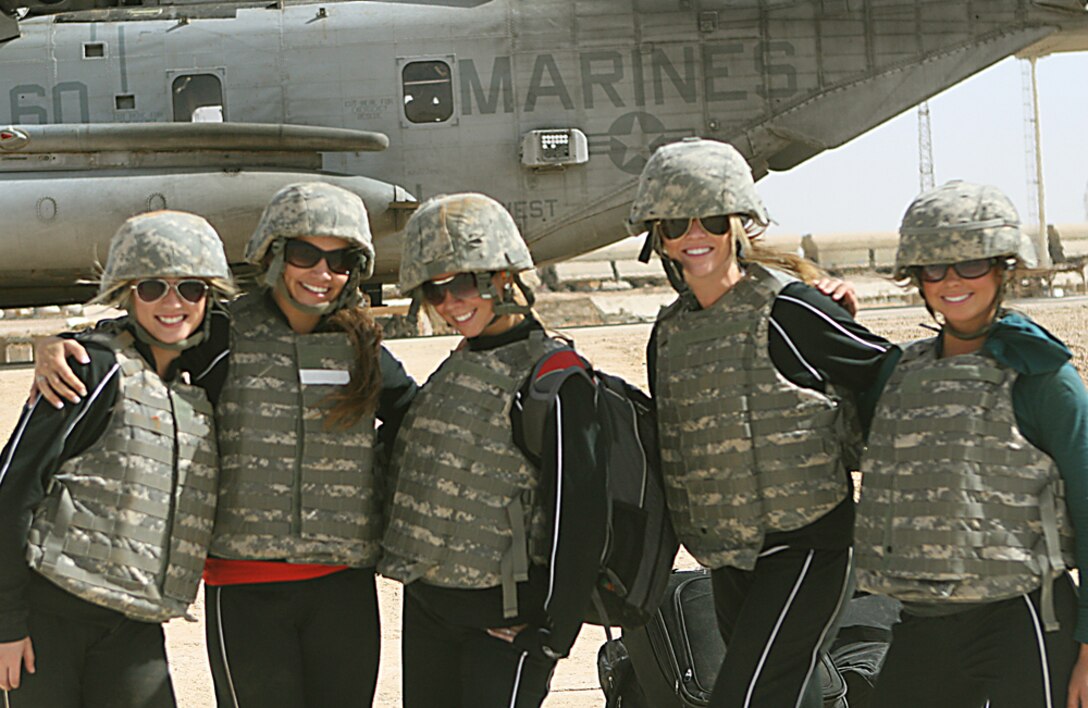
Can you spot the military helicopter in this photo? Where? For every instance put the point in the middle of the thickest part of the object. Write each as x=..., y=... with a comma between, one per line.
x=115, y=107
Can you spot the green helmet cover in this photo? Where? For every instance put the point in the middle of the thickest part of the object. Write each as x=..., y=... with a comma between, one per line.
x=460, y=233
x=960, y=221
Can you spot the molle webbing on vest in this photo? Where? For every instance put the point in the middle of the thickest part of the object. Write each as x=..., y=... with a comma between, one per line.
x=957, y=506
x=291, y=489
x=463, y=512
x=744, y=450
x=126, y=524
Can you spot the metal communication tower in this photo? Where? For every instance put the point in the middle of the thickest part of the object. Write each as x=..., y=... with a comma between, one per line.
x=1033, y=157
x=1028, y=93
x=925, y=149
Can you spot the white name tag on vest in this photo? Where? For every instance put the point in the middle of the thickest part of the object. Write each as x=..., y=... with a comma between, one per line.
x=324, y=377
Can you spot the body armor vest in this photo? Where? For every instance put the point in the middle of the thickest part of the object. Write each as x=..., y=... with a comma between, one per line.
x=290, y=488
x=744, y=451
x=126, y=523
x=957, y=506
x=464, y=494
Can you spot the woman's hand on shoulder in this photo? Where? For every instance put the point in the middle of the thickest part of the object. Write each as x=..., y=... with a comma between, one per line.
x=13, y=657
x=841, y=291
x=54, y=379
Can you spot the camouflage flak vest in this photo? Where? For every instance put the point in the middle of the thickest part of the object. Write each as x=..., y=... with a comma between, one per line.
x=463, y=514
x=291, y=489
x=744, y=451
x=126, y=524
x=956, y=505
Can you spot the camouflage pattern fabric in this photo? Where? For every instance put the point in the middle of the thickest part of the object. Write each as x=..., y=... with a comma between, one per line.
x=744, y=451
x=956, y=505
x=163, y=244
x=960, y=221
x=463, y=515
x=695, y=177
x=290, y=489
x=460, y=233
x=314, y=209
x=115, y=528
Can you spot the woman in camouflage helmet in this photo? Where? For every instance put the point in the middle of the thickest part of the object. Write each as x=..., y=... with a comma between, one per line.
x=107, y=507
x=976, y=478
x=756, y=376
x=292, y=615
x=497, y=548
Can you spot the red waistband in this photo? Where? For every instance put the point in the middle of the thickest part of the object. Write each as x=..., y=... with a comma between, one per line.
x=222, y=571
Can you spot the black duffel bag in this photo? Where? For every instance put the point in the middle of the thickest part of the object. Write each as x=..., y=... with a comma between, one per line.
x=674, y=660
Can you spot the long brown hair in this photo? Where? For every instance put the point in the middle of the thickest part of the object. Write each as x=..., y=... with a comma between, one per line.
x=361, y=396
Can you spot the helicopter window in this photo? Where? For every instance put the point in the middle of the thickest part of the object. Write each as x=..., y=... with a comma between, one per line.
x=197, y=98
x=428, y=91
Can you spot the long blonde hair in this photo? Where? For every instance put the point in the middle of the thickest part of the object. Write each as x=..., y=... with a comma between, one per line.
x=755, y=252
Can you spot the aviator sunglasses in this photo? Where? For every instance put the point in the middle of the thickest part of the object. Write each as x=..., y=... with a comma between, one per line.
x=461, y=286
x=155, y=289
x=968, y=270
x=672, y=229
x=306, y=255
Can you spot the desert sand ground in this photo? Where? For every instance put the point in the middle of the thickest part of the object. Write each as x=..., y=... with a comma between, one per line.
x=618, y=349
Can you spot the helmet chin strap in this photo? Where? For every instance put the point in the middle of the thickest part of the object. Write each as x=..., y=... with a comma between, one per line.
x=272, y=278
x=505, y=304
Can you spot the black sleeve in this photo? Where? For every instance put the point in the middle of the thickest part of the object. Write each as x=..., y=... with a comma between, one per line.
x=398, y=391
x=207, y=363
x=813, y=341
x=572, y=492
x=42, y=440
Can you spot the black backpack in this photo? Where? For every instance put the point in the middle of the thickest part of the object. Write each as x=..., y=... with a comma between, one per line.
x=641, y=543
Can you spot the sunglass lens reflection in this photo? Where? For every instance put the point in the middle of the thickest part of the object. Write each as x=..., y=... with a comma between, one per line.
x=461, y=286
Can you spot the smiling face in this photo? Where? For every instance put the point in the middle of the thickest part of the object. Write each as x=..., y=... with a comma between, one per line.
x=171, y=319
x=470, y=314
x=317, y=284
x=967, y=304
x=710, y=269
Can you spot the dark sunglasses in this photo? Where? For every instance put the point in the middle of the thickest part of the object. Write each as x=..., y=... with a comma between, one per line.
x=155, y=289
x=672, y=229
x=460, y=286
x=968, y=270
x=306, y=255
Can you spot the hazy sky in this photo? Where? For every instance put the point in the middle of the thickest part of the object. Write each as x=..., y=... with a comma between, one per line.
x=978, y=135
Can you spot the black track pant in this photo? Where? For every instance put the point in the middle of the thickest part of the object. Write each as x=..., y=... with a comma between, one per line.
x=775, y=620
x=306, y=644
x=450, y=666
x=90, y=657
x=997, y=653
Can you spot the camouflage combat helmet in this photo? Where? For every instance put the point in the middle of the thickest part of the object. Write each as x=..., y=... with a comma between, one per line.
x=460, y=233
x=695, y=177
x=312, y=209
x=960, y=221
x=163, y=244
